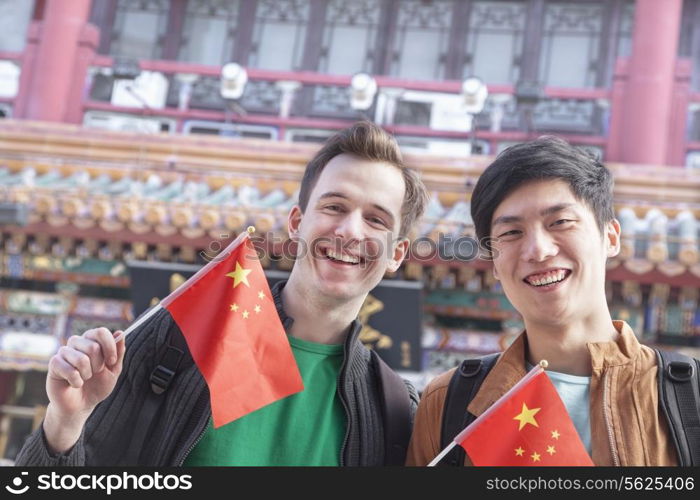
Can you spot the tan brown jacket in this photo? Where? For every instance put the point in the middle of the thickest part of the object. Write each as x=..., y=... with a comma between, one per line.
x=627, y=427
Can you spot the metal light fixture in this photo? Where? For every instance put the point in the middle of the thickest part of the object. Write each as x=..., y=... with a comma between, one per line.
x=474, y=92
x=363, y=88
x=233, y=81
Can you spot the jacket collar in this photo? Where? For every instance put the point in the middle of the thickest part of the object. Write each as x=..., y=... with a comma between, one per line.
x=510, y=367
x=288, y=321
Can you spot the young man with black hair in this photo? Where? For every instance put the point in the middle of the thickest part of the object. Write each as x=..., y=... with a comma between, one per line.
x=544, y=210
x=357, y=204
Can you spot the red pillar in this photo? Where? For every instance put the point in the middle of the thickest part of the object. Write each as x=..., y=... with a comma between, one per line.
x=647, y=106
x=53, y=70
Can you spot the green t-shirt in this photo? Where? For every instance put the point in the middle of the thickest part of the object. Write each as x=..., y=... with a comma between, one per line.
x=306, y=428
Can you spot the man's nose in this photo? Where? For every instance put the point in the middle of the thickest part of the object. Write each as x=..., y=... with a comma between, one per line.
x=350, y=226
x=538, y=246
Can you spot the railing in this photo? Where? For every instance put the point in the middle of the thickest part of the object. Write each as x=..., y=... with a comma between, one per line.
x=332, y=111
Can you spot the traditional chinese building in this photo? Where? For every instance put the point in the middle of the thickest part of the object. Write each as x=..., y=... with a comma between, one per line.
x=120, y=148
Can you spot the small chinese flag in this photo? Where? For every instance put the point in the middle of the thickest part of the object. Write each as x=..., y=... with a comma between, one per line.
x=227, y=315
x=527, y=426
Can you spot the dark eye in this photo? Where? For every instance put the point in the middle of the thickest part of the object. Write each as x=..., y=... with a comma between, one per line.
x=561, y=221
x=377, y=220
x=333, y=208
x=512, y=232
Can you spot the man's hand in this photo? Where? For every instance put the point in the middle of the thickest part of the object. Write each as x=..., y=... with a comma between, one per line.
x=81, y=375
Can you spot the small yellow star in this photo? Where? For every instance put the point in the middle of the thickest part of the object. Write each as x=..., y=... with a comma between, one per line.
x=257, y=309
x=245, y=314
x=535, y=457
x=527, y=416
x=261, y=295
x=551, y=450
x=555, y=434
x=234, y=307
x=240, y=275
x=519, y=451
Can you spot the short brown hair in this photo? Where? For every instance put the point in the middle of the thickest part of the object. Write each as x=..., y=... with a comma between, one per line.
x=368, y=141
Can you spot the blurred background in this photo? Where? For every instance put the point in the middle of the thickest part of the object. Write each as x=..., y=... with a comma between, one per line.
x=137, y=137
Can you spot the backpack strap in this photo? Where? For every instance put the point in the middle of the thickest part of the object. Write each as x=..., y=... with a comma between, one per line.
x=160, y=379
x=396, y=412
x=679, y=397
x=463, y=386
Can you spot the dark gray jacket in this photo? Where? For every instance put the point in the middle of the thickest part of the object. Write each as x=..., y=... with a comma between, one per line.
x=185, y=411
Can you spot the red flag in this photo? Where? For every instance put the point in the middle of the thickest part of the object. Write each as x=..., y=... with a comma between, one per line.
x=527, y=426
x=227, y=315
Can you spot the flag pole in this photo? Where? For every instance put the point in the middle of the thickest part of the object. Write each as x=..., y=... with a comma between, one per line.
x=442, y=454
x=536, y=370
x=249, y=230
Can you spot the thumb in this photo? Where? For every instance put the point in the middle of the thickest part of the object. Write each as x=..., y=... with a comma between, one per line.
x=121, y=349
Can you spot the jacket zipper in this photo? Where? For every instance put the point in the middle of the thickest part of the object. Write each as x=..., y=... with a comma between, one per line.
x=341, y=395
x=196, y=441
x=608, y=418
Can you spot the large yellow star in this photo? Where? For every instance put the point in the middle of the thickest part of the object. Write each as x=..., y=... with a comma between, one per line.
x=240, y=275
x=527, y=416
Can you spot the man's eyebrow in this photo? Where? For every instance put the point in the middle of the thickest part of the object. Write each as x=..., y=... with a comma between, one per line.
x=508, y=219
x=336, y=194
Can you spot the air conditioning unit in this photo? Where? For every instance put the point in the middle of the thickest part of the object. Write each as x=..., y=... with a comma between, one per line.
x=441, y=147
x=439, y=111
x=5, y=111
x=127, y=123
x=241, y=130
x=313, y=135
x=9, y=79
x=692, y=160
x=148, y=90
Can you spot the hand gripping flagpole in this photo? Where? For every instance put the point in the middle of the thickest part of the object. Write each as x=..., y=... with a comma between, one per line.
x=536, y=370
x=155, y=309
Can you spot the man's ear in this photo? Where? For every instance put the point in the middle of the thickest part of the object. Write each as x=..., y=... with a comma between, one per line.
x=294, y=221
x=612, y=237
x=400, y=252
x=495, y=272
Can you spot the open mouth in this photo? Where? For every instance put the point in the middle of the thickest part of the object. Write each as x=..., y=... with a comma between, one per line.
x=547, y=279
x=342, y=258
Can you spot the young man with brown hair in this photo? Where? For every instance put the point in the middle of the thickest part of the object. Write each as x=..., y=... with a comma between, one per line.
x=357, y=204
x=544, y=211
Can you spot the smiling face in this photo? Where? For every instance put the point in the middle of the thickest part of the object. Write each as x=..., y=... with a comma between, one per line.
x=348, y=234
x=549, y=253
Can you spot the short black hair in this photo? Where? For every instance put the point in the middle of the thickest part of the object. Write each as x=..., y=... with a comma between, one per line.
x=547, y=157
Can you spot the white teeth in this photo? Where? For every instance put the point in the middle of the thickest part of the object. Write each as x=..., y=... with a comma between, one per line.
x=342, y=257
x=548, y=278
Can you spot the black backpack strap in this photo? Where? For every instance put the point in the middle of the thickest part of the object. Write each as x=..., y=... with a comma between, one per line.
x=679, y=397
x=463, y=386
x=396, y=412
x=160, y=379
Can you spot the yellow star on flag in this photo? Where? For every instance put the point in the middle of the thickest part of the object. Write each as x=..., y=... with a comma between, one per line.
x=535, y=457
x=245, y=314
x=240, y=275
x=555, y=434
x=519, y=451
x=551, y=450
x=261, y=295
x=234, y=307
x=257, y=309
x=527, y=416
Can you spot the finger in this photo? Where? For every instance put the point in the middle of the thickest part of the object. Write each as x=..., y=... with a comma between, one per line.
x=91, y=349
x=60, y=369
x=106, y=340
x=121, y=349
x=78, y=360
